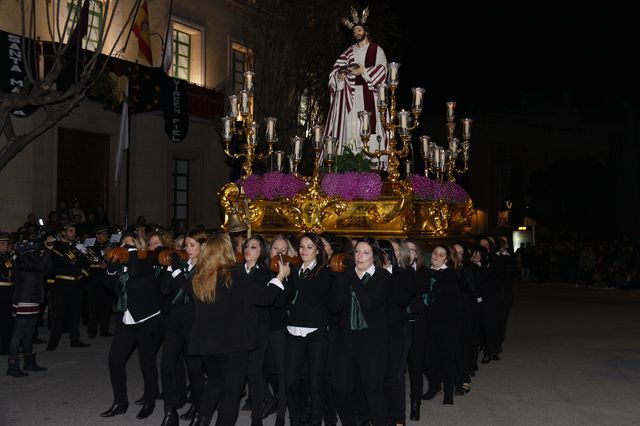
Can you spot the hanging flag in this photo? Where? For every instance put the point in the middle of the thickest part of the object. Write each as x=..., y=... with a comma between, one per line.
x=123, y=136
x=145, y=88
x=168, y=50
x=82, y=25
x=142, y=33
x=13, y=76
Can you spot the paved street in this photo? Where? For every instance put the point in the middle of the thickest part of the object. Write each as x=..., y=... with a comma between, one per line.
x=572, y=357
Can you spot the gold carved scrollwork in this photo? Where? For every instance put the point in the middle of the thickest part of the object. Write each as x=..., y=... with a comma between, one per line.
x=236, y=208
x=308, y=210
x=376, y=212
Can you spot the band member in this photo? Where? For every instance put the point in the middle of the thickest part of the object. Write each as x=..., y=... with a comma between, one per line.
x=181, y=313
x=70, y=268
x=6, y=291
x=138, y=324
x=225, y=328
x=100, y=298
x=361, y=295
x=307, y=342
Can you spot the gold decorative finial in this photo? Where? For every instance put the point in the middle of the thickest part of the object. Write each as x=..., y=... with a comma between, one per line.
x=355, y=20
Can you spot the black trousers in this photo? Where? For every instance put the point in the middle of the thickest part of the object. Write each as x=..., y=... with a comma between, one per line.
x=440, y=354
x=174, y=347
x=312, y=351
x=225, y=380
x=6, y=320
x=360, y=357
x=277, y=346
x=24, y=329
x=416, y=361
x=145, y=336
x=505, y=311
x=330, y=413
x=257, y=384
x=491, y=326
x=68, y=309
x=394, y=377
x=100, y=302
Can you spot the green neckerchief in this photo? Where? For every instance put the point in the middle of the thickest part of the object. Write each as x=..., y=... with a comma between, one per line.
x=358, y=321
x=181, y=297
x=122, y=293
x=427, y=298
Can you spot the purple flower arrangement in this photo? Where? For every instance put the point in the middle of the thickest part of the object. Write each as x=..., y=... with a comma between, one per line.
x=273, y=185
x=429, y=189
x=353, y=185
x=350, y=186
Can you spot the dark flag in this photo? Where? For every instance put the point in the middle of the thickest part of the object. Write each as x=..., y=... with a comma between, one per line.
x=176, y=114
x=145, y=88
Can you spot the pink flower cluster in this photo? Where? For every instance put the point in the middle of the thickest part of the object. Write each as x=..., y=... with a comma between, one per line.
x=353, y=185
x=429, y=189
x=273, y=185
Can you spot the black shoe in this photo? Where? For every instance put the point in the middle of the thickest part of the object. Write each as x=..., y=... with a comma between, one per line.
x=170, y=417
x=459, y=391
x=145, y=411
x=115, y=410
x=270, y=409
x=37, y=341
x=466, y=387
x=79, y=344
x=495, y=357
x=247, y=405
x=139, y=401
x=415, y=410
x=52, y=346
x=200, y=421
x=256, y=422
x=486, y=359
x=448, y=400
x=431, y=393
x=190, y=413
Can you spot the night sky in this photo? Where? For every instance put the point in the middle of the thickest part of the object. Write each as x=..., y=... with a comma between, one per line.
x=490, y=57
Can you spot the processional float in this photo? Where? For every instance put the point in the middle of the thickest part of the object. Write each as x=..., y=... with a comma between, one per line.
x=350, y=204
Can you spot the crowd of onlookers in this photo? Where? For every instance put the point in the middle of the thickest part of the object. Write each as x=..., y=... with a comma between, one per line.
x=583, y=262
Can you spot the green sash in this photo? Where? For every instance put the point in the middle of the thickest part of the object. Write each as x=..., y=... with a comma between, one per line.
x=357, y=318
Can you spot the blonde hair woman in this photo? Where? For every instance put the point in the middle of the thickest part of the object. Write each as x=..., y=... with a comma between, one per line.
x=225, y=327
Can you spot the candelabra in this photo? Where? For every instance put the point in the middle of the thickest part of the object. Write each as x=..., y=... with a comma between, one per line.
x=403, y=126
x=441, y=161
x=241, y=110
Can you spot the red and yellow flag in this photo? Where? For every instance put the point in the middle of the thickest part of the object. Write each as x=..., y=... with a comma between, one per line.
x=142, y=33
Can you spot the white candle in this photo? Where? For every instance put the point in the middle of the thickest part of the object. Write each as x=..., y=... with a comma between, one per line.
x=425, y=140
x=279, y=160
x=329, y=145
x=248, y=80
x=407, y=167
x=466, y=126
x=233, y=106
x=417, y=98
x=244, y=101
x=226, y=128
x=271, y=129
x=296, y=141
x=253, y=140
x=442, y=157
x=393, y=73
x=382, y=95
x=404, y=119
x=453, y=145
x=451, y=106
x=364, y=117
x=317, y=135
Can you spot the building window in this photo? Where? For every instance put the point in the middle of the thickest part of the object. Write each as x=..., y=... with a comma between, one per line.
x=180, y=195
x=94, y=30
x=187, y=59
x=181, y=54
x=241, y=57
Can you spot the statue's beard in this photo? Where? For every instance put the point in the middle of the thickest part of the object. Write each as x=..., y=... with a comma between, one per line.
x=360, y=38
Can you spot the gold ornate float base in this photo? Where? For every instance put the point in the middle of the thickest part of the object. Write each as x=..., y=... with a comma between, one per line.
x=395, y=215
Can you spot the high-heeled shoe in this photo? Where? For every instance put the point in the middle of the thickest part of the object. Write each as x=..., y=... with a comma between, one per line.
x=115, y=410
x=200, y=421
x=190, y=413
x=145, y=411
x=170, y=417
x=415, y=410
